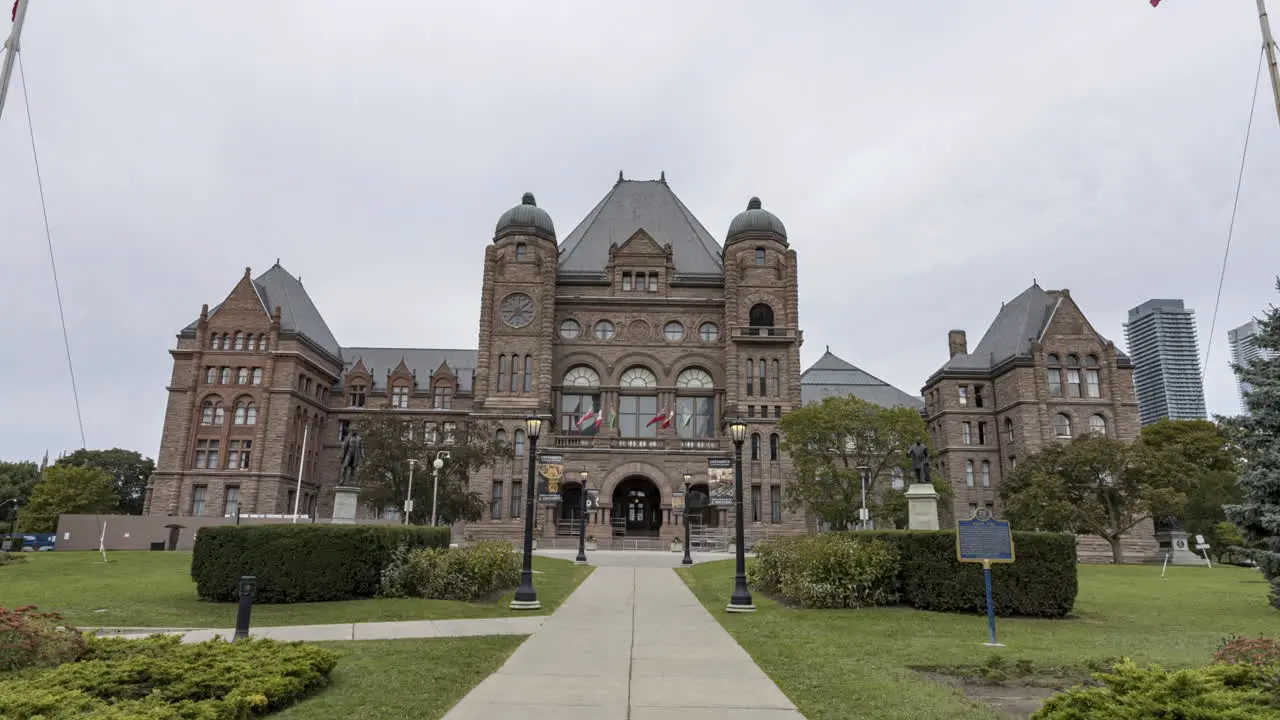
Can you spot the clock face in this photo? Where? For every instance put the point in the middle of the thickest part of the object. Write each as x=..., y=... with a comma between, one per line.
x=517, y=310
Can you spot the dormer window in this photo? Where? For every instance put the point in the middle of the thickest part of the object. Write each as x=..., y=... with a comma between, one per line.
x=442, y=396
x=400, y=397
x=356, y=397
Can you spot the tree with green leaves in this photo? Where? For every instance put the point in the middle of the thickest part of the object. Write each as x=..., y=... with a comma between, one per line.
x=1093, y=485
x=17, y=479
x=834, y=444
x=392, y=439
x=128, y=468
x=1214, y=461
x=1258, y=513
x=65, y=490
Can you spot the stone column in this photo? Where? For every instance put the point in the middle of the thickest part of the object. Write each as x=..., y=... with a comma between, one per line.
x=922, y=507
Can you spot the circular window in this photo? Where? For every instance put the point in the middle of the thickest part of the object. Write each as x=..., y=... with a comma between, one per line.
x=708, y=332
x=570, y=329
x=604, y=330
x=517, y=310
x=673, y=331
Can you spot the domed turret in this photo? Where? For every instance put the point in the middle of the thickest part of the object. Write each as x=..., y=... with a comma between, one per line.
x=526, y=219
x=755, y=220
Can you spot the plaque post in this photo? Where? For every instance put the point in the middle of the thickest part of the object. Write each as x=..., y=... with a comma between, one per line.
x=991, y=606
x=983, y=539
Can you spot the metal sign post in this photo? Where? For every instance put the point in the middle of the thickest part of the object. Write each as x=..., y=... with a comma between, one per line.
x=983, y=539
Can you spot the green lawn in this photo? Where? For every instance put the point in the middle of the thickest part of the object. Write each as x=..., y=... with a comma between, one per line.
x=836, y=664
x=154, y=589
x=397, y=679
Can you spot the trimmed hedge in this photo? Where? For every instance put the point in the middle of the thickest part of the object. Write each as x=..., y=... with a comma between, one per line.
x=1042, y=583
x=301, y=563
x=828, y=571
x=162, y=678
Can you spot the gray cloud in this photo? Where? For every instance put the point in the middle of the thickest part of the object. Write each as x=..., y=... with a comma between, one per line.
x=928, y=161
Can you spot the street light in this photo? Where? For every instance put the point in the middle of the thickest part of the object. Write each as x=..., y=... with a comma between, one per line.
x=582, y=520
x=435, y=480
x=863, y=513
x=688, y=559
x=740, y=601
x=526, y=597
x=408, y=497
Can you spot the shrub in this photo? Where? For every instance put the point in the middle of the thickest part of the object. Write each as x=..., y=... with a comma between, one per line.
x=160, y=677
x=301, y=563
x=1234, y=650
x=1127, y=692
x=34, y=639
x=465, y=573
x=834, y=570
x=11, y=558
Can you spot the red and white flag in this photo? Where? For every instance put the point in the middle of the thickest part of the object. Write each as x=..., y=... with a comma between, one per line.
x=13, y=16
x=1155, y=3
x=586, y=417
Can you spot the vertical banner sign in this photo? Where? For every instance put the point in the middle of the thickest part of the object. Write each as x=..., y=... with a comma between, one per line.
x=983, y=539
x=550, y=472
x=720, y=480
x=677, y=502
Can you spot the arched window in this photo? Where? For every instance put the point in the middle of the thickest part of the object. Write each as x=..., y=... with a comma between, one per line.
x=237, y=417
x=211, y=412
x=695, y=405
x=517, y=365
x=500, y=436
x=761, y=315
x=502, y=372
x=773, y=447
x=764, y=382
x=1061, y=425
x=968, y=473
x=518, y=444
x=528, y=373
x=638, y=414
x=986, y=473
x=1073, y=376
x=262, y=343
x=638, y=377
x=1054, y=375
x=239, y=340
x=751, y=376
x=579, y=395
x=225, y=376
x=214, y=342
x=250, y=414
x=226, y=341
x=210, y=375
x=777, y=377
x=1098, y=425
x=1008, y=429
x=1091, y=360
x=1092, y=381
x=251, y=342
x=257, y=376
x=755, y=446
x=242, y=376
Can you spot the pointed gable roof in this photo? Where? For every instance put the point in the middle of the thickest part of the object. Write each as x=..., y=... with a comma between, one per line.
x=832, y=376
x=647, y=205
x=277, y=288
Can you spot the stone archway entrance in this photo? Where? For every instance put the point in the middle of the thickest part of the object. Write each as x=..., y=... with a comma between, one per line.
x=637, y=507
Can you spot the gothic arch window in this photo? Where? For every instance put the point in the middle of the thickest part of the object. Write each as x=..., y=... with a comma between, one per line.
x=638, y=377
x=761, y=315
x=1061, y=425
x=695, y=404
x=1098, y=425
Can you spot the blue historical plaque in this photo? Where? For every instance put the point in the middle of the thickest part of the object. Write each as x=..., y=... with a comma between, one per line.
x=984, y=539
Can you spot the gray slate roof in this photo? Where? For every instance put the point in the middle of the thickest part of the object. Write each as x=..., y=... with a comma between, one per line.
x=276, y=287
x=422, y=361
x=831, y=376
x=634, y=205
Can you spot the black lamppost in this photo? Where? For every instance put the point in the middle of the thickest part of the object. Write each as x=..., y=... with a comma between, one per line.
x=740, y=601
x=582, y=520
x=526, y=597
x=688, y=559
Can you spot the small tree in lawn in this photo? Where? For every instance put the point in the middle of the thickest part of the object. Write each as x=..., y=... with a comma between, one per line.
x=1258, y=514
x=129, y=468
x=832, y=443
x=1213, y=460
x=67, y=489
x=391, y=439
x=1093, y=485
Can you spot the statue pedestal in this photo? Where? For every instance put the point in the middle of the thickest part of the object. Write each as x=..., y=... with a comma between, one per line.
x=922, y=507
x=345, y=501
x=1176, y=545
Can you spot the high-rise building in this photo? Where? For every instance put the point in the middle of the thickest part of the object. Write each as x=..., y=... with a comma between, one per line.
x=1161, y=335
x=1244, y=347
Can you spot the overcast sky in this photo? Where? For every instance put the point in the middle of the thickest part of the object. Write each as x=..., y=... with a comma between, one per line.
x=929, y=160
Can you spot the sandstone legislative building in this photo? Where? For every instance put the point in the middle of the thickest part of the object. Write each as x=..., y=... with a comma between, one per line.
x=637, y=312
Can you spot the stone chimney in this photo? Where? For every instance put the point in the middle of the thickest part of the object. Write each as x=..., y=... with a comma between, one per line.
x=957, y=344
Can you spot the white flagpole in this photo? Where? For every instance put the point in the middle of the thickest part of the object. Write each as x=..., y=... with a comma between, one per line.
x=302, y=464
x=11, y=47
x=1269, y=47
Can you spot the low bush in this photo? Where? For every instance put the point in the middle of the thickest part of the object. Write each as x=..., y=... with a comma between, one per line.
x=833, y=570
x=301, y=563
x=1234, y=650
x=1042, y=583
x=160, y=677
x=1128, y=692
x=465, y=573
x=35, y=639
x=11, y=558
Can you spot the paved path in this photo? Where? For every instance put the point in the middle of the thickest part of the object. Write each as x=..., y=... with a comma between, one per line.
x=632, y=643
x=357, y=631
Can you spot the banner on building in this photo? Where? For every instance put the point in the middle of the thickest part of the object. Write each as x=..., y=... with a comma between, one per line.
x=550, y=473
x=720, y=480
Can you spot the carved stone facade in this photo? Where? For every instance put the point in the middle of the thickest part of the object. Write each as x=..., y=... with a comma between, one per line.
x=637, y=314
x=1040, y=374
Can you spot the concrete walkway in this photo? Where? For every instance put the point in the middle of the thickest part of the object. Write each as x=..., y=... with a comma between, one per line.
x=632, y=643
x=355, y=631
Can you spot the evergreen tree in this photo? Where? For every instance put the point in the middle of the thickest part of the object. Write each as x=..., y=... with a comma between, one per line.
x=1258, y=515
